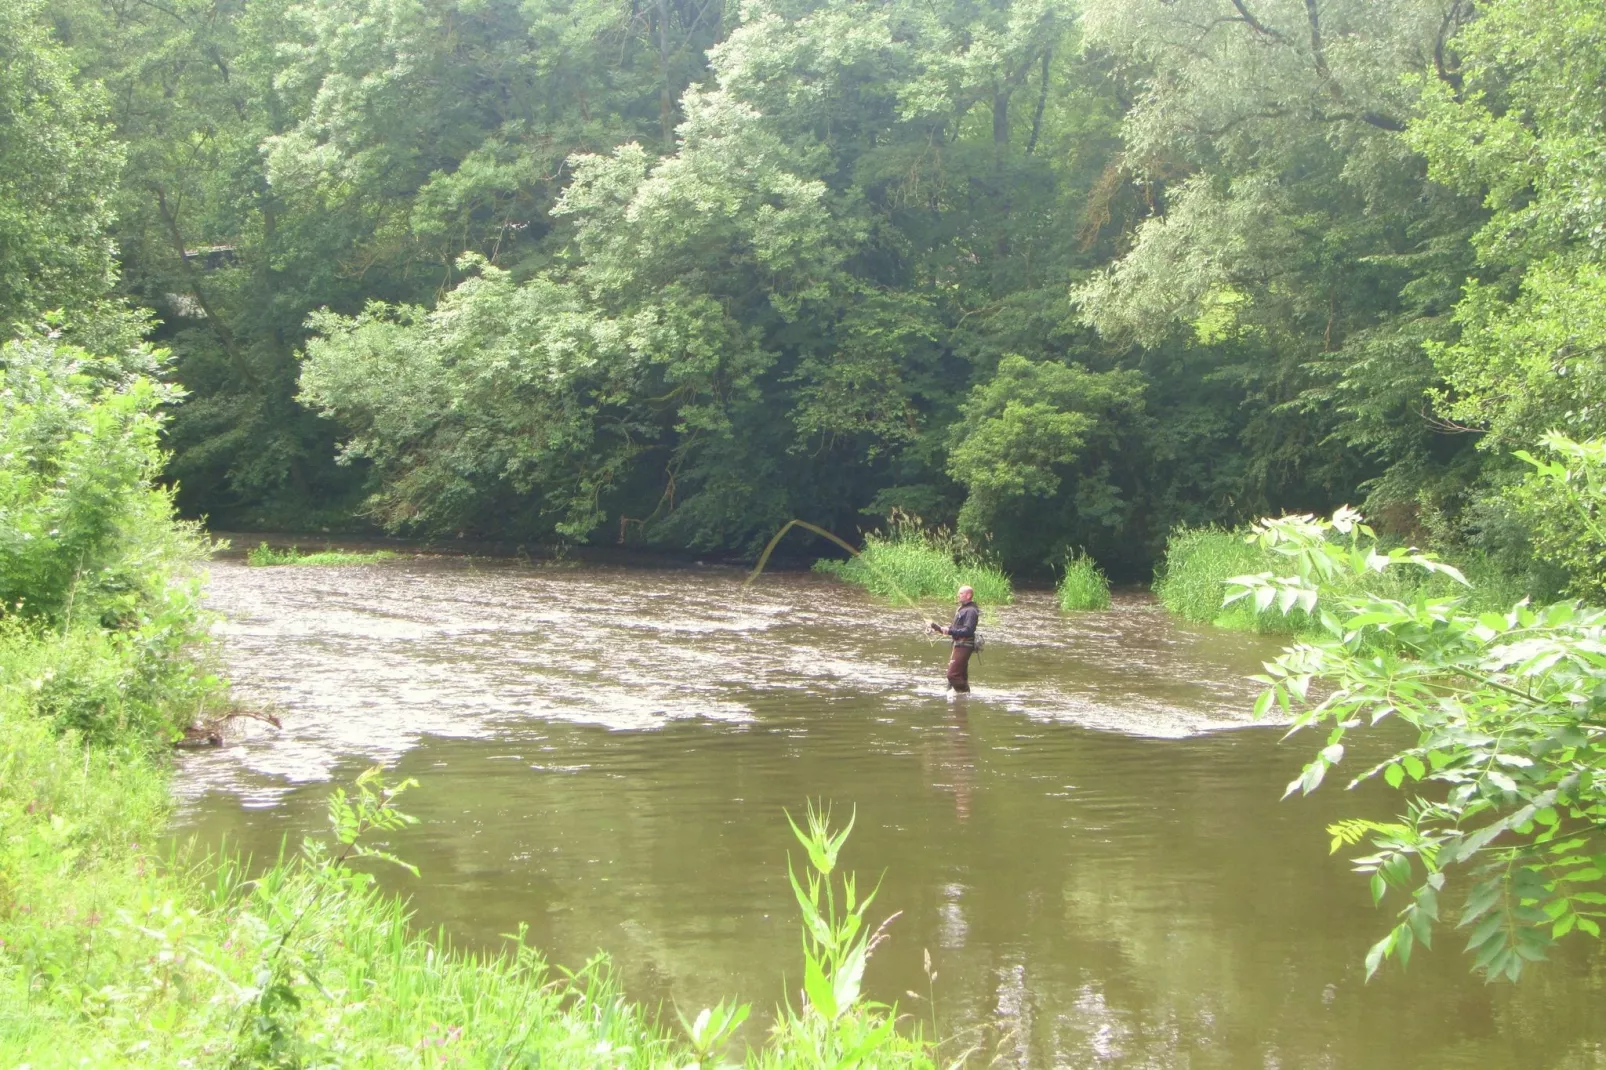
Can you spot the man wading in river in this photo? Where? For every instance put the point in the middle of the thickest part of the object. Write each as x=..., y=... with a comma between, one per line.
x=963, y=633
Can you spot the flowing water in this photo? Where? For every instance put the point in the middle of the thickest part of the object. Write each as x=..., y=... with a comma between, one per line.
x=1089, y=847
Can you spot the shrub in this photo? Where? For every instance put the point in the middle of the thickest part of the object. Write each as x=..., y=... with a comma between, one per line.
x=88, y=536
x=1084, y=585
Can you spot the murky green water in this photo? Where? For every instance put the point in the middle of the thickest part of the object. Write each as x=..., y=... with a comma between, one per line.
x=1090, y=846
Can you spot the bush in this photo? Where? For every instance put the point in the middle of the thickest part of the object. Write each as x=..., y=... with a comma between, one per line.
x=910, y=563
x=1084, y=585
x=89, y=537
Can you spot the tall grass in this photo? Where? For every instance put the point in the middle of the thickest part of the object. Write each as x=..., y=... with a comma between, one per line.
x=1084, y=585
x=1191, y=582
x=911, y=563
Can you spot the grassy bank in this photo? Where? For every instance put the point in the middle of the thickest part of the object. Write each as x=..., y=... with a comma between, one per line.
x=262, y=555
x=911, y=564
x=1192, y=583
x=110, y=956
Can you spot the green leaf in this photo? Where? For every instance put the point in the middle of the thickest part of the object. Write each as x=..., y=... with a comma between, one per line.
x=1376, y=953
x=818, y=988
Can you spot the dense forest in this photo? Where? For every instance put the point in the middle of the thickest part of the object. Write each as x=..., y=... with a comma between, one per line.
x=1061, y=274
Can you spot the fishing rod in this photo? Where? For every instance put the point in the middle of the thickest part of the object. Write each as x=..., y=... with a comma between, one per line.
x=764, y=558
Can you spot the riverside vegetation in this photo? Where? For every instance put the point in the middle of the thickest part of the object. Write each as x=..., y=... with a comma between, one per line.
x=263, y=556
x=113, y=956
x=1052, y=274
x=910, y=563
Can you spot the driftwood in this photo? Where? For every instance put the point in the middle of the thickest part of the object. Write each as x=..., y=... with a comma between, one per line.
x=208, y=732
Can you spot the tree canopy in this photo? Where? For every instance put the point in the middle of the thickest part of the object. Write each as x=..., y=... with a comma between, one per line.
x=1061, y=273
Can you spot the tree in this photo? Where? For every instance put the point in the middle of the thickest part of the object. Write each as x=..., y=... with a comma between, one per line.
x=1524, y=132
x=286, y=156
x=1294, y=225
x=58, y=173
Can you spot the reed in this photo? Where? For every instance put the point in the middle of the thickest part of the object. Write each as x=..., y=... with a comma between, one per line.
x=1083, y=586
x=912, y=563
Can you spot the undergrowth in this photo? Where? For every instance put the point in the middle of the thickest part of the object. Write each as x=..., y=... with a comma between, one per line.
x=910, y=563
x=263, y=555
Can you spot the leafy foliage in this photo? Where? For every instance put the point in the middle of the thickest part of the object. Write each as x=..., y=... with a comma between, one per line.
x=58, y=176
x=1522, y=133
x=1561, y=502
x=85, y=530
x=1500, y=780
x=1062, y=275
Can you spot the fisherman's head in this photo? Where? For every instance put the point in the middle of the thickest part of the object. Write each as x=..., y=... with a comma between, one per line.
x=965, y=595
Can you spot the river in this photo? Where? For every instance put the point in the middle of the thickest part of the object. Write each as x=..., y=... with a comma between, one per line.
x=1090, y=846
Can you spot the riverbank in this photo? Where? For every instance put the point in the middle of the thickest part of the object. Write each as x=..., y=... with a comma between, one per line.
x=113, y=956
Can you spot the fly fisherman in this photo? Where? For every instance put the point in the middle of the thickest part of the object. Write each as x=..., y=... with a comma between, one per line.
x=963, y=633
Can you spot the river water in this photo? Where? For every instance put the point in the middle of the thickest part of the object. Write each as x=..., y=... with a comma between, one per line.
x=1090, y=847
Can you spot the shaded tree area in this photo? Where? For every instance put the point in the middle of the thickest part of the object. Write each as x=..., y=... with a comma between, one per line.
x=1062, y=275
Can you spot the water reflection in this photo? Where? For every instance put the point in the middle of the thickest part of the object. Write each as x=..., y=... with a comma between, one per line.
x=1100, y=874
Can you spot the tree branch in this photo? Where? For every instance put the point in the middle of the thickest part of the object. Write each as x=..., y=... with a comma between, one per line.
x=1454, y=16
x=1247, y=17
